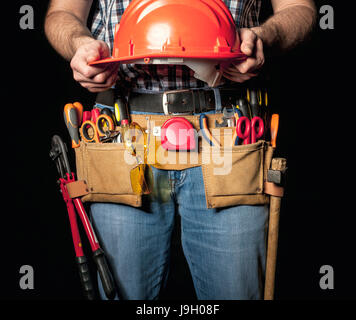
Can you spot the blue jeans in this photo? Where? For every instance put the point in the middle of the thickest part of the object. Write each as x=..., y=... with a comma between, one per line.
x=225, y=248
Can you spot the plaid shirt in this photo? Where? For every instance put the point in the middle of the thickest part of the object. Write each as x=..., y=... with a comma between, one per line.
x=161, y=77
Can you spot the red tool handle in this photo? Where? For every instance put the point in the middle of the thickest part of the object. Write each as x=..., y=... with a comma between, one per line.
x=87, y=225
x=81, y=260
x=98, y=253
x=95, y=113
x=86, y=116
x=74, y=228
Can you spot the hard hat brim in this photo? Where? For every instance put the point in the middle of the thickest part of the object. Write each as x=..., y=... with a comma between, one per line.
x=236, y=56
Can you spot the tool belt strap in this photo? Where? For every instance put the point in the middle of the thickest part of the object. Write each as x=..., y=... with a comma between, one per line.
x=272, y=189
x=177, y=101
x=77, y=189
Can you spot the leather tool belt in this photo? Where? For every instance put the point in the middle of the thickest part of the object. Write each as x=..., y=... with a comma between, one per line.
x=233, y=175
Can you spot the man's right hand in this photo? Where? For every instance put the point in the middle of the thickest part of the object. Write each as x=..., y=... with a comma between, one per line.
x=95, y=78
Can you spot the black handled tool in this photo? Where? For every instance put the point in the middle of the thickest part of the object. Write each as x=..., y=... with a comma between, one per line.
x=121, y=112
x=254, y=103
x=109, y=113
x=244, y=107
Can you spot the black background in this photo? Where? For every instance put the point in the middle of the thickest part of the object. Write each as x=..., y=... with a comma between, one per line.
x=310, y=91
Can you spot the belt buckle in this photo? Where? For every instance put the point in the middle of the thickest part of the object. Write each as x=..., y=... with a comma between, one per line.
x=165, y=103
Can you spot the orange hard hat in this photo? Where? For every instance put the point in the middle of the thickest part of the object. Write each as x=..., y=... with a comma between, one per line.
x=198, y=29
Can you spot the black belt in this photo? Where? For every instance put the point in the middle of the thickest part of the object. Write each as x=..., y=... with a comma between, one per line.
x=177, y=101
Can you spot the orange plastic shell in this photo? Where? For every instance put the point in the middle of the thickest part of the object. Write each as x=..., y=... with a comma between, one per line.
x=201, y=29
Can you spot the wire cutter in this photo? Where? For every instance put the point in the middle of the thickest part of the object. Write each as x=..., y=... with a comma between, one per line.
x=203, y=123
x=58, y=154
x=237, y=114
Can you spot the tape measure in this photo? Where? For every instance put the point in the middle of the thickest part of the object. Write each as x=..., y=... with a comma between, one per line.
x=178, y=134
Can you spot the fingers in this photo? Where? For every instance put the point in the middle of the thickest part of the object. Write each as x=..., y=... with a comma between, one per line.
x=253, y=62
x=233, y=75
x=100, y=82
x=98, y=77
x=97, y=50
x=248, y=40
x=87, y=53
x=252, y=46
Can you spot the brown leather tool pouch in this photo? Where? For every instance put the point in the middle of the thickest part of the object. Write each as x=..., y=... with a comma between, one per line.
x=236, y=175
x=105, y=167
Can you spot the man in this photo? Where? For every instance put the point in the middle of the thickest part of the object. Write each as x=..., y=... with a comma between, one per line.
x=225, y=248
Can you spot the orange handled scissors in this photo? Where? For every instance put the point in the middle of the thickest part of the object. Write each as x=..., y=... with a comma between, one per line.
x=91, y=132
x=251, y=131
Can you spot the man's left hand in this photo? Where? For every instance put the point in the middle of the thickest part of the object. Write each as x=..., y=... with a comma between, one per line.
x=252, y=46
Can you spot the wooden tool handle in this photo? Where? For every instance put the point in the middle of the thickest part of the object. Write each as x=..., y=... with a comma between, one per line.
x=279, y=164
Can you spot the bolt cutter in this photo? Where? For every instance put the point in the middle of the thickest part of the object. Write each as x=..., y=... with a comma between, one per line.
x=58, y=154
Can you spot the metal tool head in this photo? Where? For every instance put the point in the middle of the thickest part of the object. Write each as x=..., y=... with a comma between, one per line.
x=228, y=115
x=58, y=154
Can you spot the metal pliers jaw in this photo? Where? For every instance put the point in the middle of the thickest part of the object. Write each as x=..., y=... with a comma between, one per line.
x=58, y=154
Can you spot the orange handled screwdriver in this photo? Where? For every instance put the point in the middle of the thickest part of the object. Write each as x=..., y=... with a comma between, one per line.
x=274, y=129
x=72, y=123
x=79, y=108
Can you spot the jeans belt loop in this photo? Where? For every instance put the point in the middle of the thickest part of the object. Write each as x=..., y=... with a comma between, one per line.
x=165, y=102
x=217, y=99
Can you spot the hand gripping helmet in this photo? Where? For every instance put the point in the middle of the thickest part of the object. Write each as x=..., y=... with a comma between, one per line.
x=198, y=33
